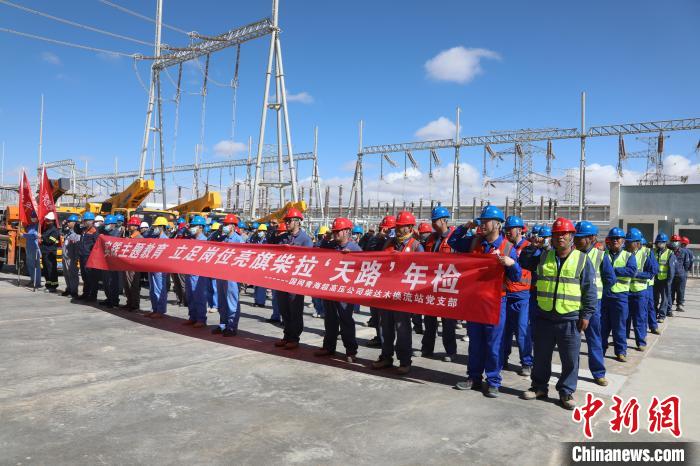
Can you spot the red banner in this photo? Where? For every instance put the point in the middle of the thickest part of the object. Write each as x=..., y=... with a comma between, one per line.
x=27, y=204
x=457, y=286
x=46, y=203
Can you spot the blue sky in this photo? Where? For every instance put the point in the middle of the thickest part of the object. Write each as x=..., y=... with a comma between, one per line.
x=397, y=65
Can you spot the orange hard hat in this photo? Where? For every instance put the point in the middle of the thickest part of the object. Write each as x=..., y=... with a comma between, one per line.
x=563, y=225
x=134, y=220
x=388, y=222
x=341, y=223
x=282, y=227
x=294, y=213
x=230, y=219
x=425, y=228
x=405, y=218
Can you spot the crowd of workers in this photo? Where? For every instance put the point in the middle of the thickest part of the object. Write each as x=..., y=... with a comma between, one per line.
x=559, y=282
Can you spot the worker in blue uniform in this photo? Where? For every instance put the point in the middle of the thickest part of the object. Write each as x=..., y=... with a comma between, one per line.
x=158, y=281
x=585, y=240
x=32, y=253
x=260, y=292
x=517, y=303
x=437, y=242
x=323, y=234
x=196, y=286
x=662, y=282
x=88, y=236
x=70, y=256
x=338, y=316
x=646, y=269
x=649, y=292
x=683, y=264
x=566, y=300
x=615, y=308
x=485, y=340
x=229, y=304
x=291, y=305
x=110, y=278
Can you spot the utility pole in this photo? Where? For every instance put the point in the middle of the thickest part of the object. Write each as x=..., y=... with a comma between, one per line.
x=455, y=175
x=582, y=162
x=152, y=90
x=41, y=134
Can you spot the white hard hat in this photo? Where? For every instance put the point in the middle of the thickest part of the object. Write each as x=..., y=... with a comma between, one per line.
x=144, y=225
x=50, y=216
x=99, y=218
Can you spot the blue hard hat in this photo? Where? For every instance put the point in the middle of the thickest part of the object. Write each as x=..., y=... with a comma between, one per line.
x=585, y=228
x=644, y=241
x=439, y=212
x=242, y=224
x=119, y=218
x=255, y=225
x=110, y=220
x=72, y=218
x=616, y=233
x=513, y=221
x=181, y=220
x=88, y=216
x=545, y=232
x=633, y=235
x=357, y=229
x=491, y=212
x=198, y=220
x=661, y=238
x=536, y=229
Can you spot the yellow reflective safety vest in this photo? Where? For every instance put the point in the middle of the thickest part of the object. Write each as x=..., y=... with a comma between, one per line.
x=622, y=285
x=640, y=284
x=596, y=257
x=559, y=289
x=663, y=259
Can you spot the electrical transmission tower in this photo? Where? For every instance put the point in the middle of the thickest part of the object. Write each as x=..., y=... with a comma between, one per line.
x=654, y=156
x=523, y=176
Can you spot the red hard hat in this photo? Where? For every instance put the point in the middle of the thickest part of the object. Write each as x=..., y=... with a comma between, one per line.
x=388, y=222
x=134, y=220
x=685, y=240
x=563, y=225
x=405, y=218
x=525, y=229
x=341, y=223
x=282, y=227
x=230, y=219
x=675, y=238
x=293, y=213
x=425, y=228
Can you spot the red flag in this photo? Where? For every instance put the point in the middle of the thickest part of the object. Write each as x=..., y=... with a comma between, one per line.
x=46, y=204
x=27, y=203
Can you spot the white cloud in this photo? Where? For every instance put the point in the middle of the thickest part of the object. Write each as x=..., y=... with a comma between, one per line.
x=109, y=57
x=442, y=128
x=677, y=165
x=228, y=147
x=51, y=58
x=458, y=64
x=301, y=97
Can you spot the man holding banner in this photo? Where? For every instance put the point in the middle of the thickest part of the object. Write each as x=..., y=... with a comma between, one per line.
x=291, y=305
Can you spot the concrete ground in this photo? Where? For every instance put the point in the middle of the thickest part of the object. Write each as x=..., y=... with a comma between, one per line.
x=82, y=385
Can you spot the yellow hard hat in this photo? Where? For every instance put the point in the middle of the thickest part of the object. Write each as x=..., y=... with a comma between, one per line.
x=160, y=222
x=215, y=226
x=262, y=227
x=323, y=230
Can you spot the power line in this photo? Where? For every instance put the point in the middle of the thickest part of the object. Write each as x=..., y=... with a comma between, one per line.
x=140, y=16
x=73, y=23
x=69, y=44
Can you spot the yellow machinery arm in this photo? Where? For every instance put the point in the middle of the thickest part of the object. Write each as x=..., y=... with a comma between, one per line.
x=131, y=197
x=279, y=214
x=210, y=201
